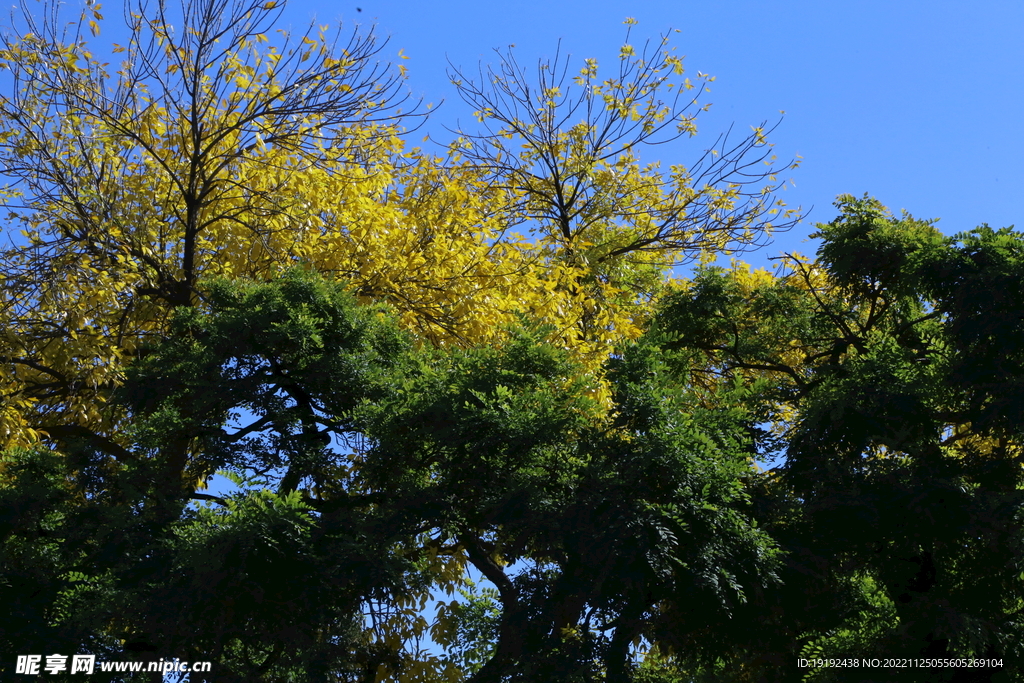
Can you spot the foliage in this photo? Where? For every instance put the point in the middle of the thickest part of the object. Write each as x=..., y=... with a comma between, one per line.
x=467, y=629
x=472, y=401
x=891, y=367
x=213, y=148
x=270, y=581
x=565, y=149
x=369, y=475
x=133, y=186
x=594, y=533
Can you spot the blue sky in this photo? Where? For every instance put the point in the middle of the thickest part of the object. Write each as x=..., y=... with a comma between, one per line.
x=917, y=103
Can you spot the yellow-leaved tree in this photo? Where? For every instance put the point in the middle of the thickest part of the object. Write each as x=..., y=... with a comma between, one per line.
x=211, y=150
x=212, y=146
x=565, y=145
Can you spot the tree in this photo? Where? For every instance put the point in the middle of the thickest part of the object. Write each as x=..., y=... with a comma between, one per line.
x=595, y=531
x=129, y=184
x=565, y=150
x=266, y=582
x=369, y=474
x=211, y=152
x=891, y=365
x=215, y=151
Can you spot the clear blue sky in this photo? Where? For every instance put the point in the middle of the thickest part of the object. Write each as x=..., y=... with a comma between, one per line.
x=917, y=103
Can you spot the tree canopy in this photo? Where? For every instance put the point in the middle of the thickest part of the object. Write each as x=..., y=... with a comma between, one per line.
x=213, y=150
x=888, y=370
x=474, y=429
x=371, y=474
